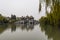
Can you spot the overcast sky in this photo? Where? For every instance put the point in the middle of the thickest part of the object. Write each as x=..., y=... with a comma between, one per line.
x=20, y=7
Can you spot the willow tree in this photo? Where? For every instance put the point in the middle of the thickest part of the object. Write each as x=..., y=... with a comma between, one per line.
x=54, y=16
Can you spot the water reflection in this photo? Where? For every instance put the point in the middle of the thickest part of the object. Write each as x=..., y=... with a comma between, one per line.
x=27, y=27
x=51, y=31
x=22, y=27
x=14, y=27
x=3, y=28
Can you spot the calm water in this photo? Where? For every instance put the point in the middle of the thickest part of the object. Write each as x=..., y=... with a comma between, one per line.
x=29, y=32
x=21, y=32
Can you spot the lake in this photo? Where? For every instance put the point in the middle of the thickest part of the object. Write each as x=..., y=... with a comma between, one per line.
x=21, y=32
x=29, y=32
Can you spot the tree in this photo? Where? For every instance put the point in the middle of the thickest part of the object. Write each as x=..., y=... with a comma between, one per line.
x=54, y=16
x=13, y=18
x=3, y=19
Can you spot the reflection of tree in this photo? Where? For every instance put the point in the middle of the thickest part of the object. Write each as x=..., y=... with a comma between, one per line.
x=22, y=26
x=52, y=32
x=27, y=27
x=3, y=28
x=13, y=27
x=30, y=27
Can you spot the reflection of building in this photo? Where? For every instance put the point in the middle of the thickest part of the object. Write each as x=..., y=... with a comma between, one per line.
x=30, y=27
x=22, y=27
x=27, y=27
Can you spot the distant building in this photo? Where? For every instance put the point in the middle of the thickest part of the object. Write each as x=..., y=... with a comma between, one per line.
x=26, y=20
x=31, y=20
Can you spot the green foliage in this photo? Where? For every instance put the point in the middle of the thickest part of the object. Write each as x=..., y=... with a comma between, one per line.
x=13, y=19
x=52, y=18
x=43, y=20
x=51, y=23
x=3, y=19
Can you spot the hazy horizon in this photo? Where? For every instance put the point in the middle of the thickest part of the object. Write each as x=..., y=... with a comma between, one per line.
x=20, y=8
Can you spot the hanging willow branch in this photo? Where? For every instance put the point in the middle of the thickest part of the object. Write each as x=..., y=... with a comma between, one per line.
x=39, y=7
